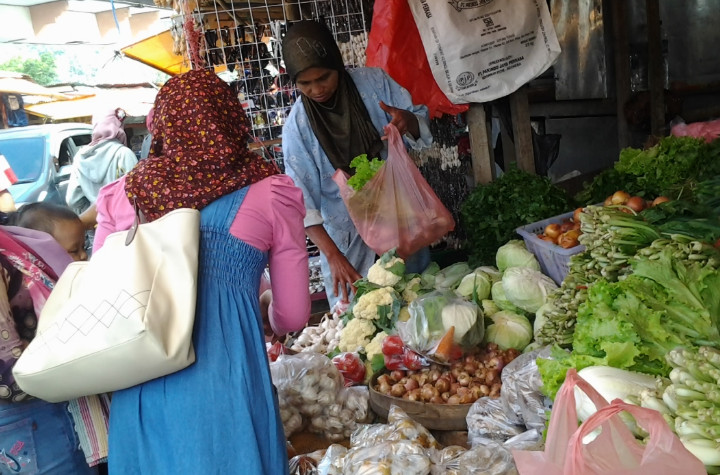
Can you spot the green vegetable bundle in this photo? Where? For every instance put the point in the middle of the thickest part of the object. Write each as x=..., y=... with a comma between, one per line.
x=491, y=213
x=691, y=404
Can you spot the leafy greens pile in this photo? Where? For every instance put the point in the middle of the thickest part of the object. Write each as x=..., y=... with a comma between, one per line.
x=672, y=168
x=491, y=213
x=670, y=299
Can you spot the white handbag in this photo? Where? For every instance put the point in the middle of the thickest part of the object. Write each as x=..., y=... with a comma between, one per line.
x=123, y=318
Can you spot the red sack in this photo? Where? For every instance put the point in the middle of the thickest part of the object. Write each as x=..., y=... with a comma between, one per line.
x=394, y=45
x=396, y=208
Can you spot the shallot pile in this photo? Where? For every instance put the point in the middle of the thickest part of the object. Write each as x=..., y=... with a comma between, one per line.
x=463, y=382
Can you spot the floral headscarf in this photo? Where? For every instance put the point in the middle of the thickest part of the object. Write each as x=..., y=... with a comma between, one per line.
x=199, y=148
x=108, y=125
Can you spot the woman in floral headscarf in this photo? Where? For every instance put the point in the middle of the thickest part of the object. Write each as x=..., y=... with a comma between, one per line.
x=106, y=158
x=220, y=415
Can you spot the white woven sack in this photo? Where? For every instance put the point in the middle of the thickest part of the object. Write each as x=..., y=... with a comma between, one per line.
x=123, y=318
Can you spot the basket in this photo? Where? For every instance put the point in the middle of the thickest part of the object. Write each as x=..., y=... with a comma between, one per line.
x=554, y=260
x=431, y=416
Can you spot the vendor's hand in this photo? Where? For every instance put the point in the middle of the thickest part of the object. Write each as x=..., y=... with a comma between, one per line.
x=405, y=121
x=344, y=276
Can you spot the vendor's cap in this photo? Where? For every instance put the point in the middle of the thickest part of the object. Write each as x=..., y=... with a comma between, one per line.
x=309, y=44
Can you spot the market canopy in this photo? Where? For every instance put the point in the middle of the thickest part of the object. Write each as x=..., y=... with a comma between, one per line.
x=136, y=101
x=17, y=83
x=157, y=52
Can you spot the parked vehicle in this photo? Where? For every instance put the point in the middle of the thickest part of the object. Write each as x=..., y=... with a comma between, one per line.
x=41, y=157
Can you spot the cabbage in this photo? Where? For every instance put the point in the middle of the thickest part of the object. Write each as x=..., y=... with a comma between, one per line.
x=498, y=296
x=451, y=275
x=489, y=307
x=475, y=285
x=509, y=330
x=527, y=288
x=491, y=271
x=515, y=254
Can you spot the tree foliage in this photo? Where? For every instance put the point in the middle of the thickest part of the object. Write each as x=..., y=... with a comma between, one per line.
x=42, y=70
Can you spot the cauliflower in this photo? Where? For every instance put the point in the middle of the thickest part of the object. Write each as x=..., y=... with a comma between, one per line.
x=411, y=289
x=356, y=335
x=387, y=271
x=375, y=346
x=366, y=306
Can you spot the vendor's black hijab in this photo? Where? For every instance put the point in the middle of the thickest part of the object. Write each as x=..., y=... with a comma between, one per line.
x=342, y=125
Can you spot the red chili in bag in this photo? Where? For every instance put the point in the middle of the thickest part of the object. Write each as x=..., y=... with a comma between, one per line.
x=351, y=367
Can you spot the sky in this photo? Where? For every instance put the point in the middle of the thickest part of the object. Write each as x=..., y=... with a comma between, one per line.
x=87, y=64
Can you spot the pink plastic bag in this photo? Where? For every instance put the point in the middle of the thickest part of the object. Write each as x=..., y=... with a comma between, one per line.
x=396, y=208
x=563, y=424
x=709, y=130
x=615, y=451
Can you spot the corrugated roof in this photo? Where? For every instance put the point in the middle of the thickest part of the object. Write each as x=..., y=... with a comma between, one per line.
x=136, y=101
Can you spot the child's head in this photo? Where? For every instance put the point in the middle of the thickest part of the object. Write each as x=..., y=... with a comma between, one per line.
x=59, y=221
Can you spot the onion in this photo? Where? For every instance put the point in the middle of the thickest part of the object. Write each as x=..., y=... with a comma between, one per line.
x=464, y=379
x=445, y=396
x=411, y=384
x=455, y=399
x=552, y=230
x=660, y=199
x=470, y=367
x=437, y=400
x=454, y=388
x=442, y=384
x=414, y=395
x=620, y=197
x=397, y=375
x=636, y=204
x=383, y=378
x=397, y=390
x=384, y=388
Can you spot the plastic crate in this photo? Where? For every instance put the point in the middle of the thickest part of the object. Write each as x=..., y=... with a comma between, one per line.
x=554, y=260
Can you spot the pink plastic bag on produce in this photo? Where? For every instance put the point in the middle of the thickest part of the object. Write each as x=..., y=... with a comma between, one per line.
x=396, y=208
x=709, y=130
x=394, y=44
x=563, y=424
x=615, y=451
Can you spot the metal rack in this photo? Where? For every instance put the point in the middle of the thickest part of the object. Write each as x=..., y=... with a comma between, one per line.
x=241, y=41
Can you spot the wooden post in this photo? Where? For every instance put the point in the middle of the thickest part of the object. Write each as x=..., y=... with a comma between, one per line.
x=520, y=113
x=483, y=162
x=622, y=70
x=656, y=74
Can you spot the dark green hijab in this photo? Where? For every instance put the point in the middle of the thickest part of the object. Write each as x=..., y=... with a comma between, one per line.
x=342, y=125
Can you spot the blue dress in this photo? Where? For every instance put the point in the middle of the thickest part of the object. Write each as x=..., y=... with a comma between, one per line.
x=219, y=415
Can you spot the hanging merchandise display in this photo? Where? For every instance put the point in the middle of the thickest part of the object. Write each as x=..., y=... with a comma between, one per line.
x=480, y=51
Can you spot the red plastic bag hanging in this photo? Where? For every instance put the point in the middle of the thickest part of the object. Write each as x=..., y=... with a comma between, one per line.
x=394, y=45
x=396, y=208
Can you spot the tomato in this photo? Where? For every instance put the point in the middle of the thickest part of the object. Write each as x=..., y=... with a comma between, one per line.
x=276, y=350
x=412, y=360
x=392, y=345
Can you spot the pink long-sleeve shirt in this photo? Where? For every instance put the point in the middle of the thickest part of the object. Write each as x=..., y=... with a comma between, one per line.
x=269, y=219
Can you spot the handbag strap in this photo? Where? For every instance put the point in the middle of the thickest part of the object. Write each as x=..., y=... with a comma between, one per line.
x=139, y=219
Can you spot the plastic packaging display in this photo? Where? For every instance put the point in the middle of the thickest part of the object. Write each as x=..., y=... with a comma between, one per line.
x=521, y=405
x=614, y=451
x=311, y=392
x=396, y=208
x=430, y=318
x=709, y=130
x=490, y=459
